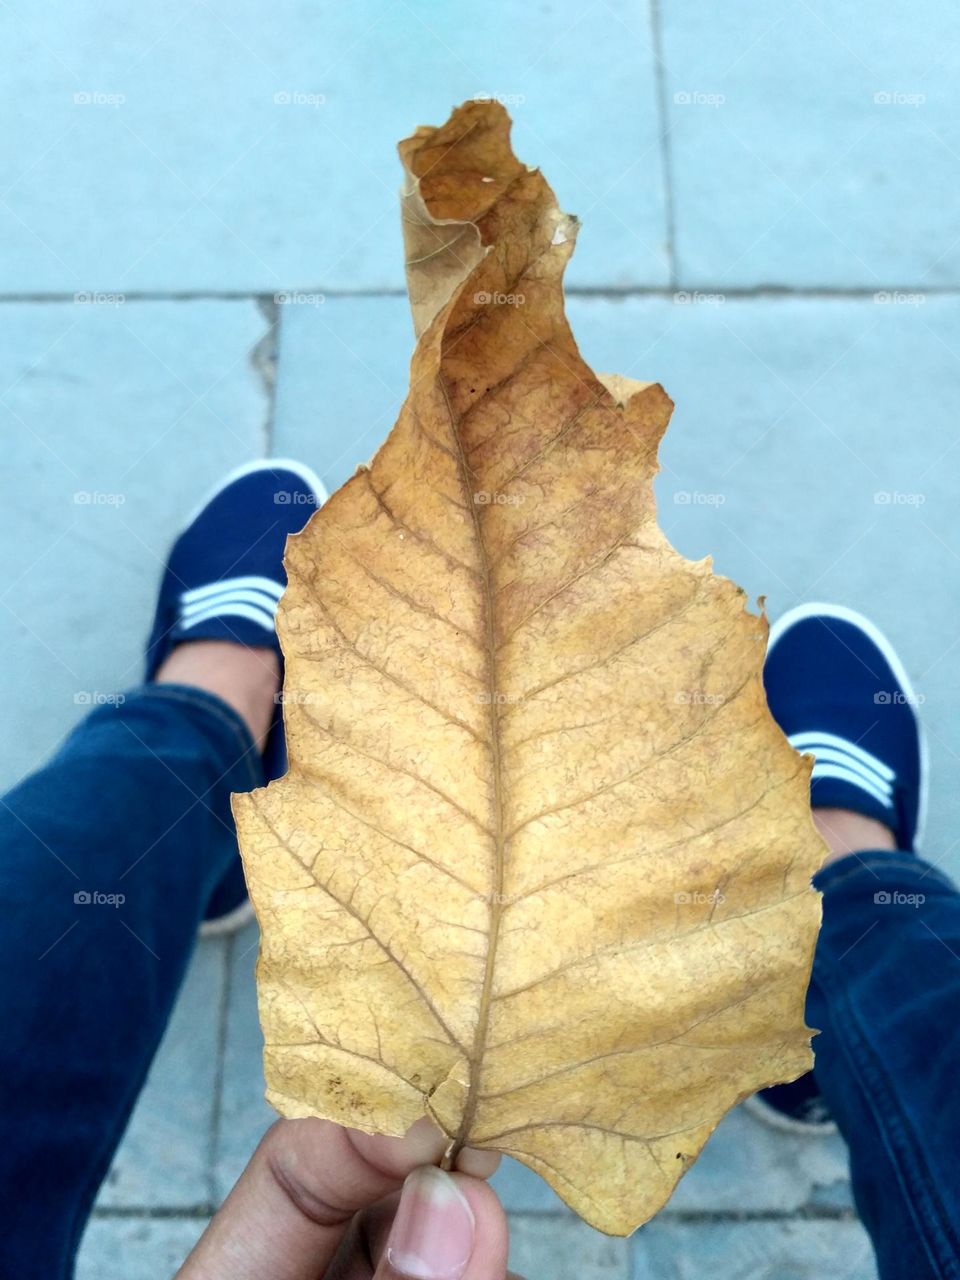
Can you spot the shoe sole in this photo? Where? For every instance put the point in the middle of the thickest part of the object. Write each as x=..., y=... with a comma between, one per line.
x=873, y=633
x=773, y=1119
x=232, y=922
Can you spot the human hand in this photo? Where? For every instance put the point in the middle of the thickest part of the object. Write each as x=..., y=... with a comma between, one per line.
x=320, y=1202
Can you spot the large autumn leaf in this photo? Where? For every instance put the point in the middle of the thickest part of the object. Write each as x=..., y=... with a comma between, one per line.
x=541, y=864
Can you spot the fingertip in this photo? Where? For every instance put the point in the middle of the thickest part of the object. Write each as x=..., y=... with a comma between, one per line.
x=488, y=1261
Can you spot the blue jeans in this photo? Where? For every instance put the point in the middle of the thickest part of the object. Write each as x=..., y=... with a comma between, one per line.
x=885, y=993
x=108, y=857
x=135, y=806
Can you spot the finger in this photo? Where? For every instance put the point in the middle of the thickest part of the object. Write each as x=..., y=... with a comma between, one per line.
x=447, y=1227
x=294, y=1201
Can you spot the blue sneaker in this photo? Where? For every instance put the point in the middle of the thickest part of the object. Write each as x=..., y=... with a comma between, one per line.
x=223, y=581
x=838, y=690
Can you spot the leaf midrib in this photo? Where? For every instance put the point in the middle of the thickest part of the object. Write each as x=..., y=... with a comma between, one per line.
x=475, y=1057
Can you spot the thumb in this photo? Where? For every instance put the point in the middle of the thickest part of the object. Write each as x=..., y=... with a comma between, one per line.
x=447, y=1227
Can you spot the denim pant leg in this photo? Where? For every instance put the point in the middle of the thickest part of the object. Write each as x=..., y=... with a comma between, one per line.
x=885, y=994
x=108, y=857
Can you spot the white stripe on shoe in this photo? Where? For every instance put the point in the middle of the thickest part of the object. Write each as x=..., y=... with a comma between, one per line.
x=257, y=598
x=249, y=583
x=827, y=755
x=226, y=609
x=854, y=779
x=812, y=739
x=837, y=758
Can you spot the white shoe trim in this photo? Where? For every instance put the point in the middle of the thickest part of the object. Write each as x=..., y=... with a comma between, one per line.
x=251, y=583
x=818, y=609
x=846, y=774
x=265, y=603
x=228, y=610
x=306, y=474
x=822, y=742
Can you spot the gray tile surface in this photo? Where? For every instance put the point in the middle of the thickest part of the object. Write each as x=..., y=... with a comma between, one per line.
x=564, y=1248
x=115, y=421
x=791, y=1250
x=164, y=1158
x=137, y=1248
x=244, y=1115
x=812, y=143
x=214, y=147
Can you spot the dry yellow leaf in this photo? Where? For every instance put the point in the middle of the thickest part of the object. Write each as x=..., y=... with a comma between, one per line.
x=541, y=864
